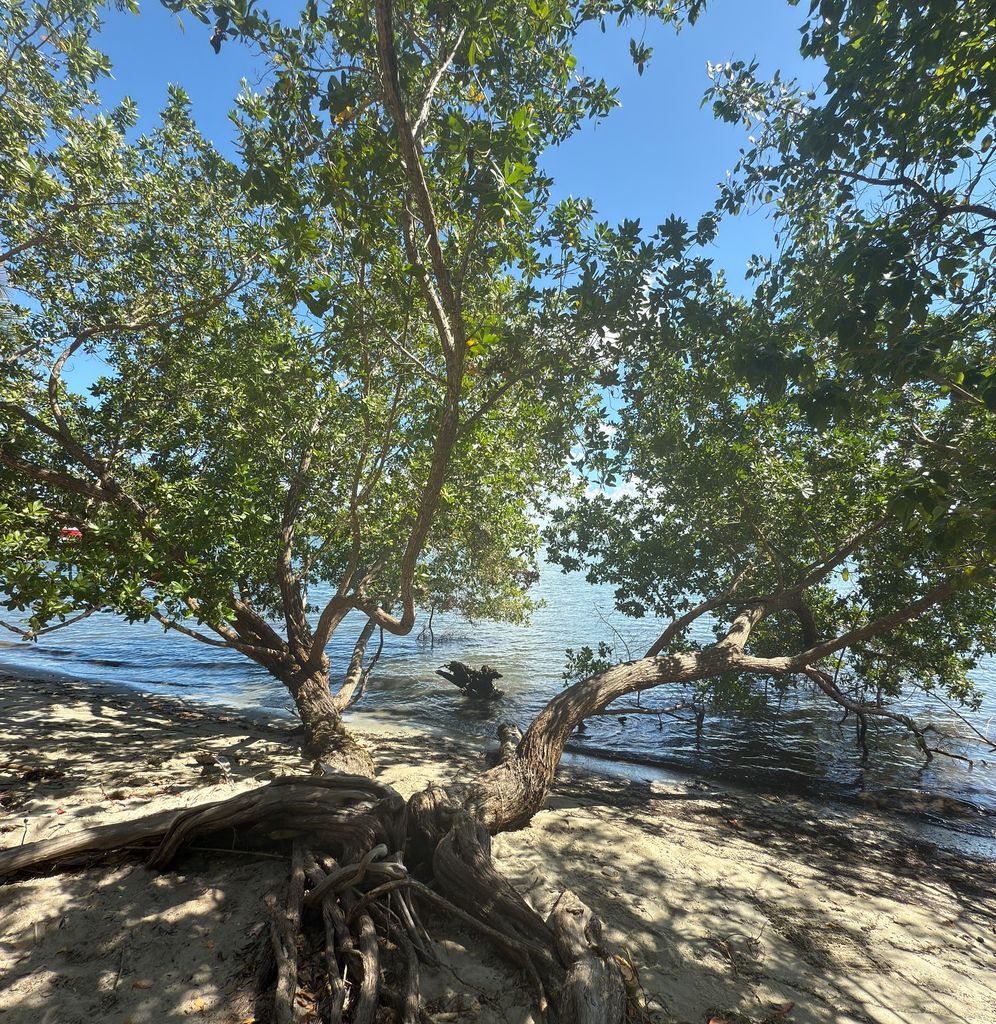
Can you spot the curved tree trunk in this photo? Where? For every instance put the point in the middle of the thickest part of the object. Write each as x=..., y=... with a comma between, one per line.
x=506, y=797
x=369, y=845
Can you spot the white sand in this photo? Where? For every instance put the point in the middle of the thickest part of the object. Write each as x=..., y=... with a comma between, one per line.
x=727, y=903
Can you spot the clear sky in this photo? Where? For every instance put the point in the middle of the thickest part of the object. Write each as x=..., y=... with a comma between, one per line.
x=660, y=153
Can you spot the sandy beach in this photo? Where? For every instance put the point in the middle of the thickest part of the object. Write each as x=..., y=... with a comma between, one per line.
x=733, y=906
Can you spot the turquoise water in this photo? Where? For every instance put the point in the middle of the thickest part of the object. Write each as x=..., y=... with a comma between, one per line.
x=796, y=744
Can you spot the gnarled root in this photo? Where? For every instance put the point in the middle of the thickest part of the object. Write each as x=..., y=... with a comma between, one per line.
x=350, y=923
x=338, y=811
x=465, y=873
x=593, y=992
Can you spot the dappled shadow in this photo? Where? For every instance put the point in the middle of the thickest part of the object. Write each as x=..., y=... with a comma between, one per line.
x=119, y=943
x=861, y=851
x=444, y=759
x=724, y=899
x=76, y=750
x=128, y=945
x=749, y=903
x=838, y=836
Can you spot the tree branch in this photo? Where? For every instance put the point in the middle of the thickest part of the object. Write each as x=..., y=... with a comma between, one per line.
x=910, y=611
x=840, y=555
x=931, y=198
x=825, y=682
x=33, y=634
x=290, y=590
x=62, y=481
x=445, y=60
x=681, y=623
x=354, y=674
x=448, y=318
x=168, y=623
x=415, y=175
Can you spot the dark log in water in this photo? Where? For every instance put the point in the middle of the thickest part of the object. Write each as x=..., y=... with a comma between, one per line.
x=478, y=682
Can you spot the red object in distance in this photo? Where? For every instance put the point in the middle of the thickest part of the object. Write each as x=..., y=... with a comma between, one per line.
x=70, y=533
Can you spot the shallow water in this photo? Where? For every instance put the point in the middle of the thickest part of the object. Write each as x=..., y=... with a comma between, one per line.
x=798, y=744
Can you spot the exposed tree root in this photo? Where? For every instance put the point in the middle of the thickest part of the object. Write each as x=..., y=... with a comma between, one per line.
x=351, y=894
x=284, y=928
x=360, y=851
x=363, y=857
x=346, y=812
x=593, y=990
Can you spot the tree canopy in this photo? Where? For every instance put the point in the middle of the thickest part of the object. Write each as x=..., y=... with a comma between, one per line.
x=353, y=363
x=824, y=443
x=342, y=371
x=883, y=193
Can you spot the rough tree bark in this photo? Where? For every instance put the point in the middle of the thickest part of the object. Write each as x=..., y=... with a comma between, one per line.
x=326, y=738
x=593, y=990
x=373, y=859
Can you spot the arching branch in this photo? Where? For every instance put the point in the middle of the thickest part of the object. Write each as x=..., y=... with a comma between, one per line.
x=178, y=627
x=33, y=634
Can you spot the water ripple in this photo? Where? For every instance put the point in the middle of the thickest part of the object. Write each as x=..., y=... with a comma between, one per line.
x=800, y=743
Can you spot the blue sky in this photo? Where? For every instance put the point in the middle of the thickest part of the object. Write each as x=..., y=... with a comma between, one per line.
x=659, y=153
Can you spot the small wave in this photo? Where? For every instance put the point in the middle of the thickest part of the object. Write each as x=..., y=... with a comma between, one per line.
x=54, y=652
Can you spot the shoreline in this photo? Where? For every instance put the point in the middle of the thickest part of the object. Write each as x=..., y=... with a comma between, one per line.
x=945, y=820
x=731, y=901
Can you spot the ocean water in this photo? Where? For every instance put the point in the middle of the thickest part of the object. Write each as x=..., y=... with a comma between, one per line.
x=797, y=743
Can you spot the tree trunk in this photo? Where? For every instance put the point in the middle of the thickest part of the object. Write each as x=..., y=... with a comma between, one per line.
x=372, y=848
x=326, y=738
